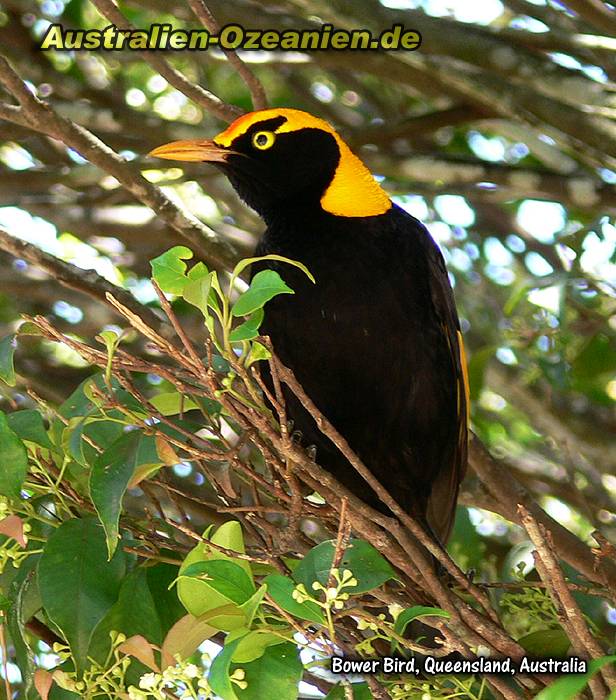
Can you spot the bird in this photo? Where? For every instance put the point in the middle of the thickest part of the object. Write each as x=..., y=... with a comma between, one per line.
x=376, y=342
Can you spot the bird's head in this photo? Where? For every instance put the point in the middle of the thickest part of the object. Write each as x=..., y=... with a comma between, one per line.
x=284, y=160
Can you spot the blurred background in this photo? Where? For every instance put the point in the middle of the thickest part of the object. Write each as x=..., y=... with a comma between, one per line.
x=499, y=133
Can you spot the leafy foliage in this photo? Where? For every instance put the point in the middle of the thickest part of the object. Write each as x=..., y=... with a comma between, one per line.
x=144, y=619
x=509, y=160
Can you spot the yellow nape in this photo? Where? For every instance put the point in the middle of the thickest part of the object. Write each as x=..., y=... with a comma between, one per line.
x=353, y=190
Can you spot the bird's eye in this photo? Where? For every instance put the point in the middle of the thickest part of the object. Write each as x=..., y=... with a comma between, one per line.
x=263, y=140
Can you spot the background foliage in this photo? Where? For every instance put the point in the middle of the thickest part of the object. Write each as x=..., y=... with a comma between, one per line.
x=498, y=134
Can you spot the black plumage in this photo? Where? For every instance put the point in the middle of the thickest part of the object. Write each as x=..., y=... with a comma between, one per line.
x=370, y=344
x=375, y=342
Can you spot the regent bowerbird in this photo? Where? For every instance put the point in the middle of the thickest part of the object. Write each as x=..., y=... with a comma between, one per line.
x=376, y=341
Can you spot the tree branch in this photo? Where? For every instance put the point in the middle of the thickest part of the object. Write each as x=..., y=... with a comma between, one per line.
x=596, y=13
x=582, y=640
x=257, y=91
x=85, y=281
x=210, y=102
x=508, y=493
x=43, y=118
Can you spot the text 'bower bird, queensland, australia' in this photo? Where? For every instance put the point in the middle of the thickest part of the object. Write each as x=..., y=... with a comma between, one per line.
x=375, y=342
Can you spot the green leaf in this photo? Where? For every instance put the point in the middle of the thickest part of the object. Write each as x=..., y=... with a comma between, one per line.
x=110, y=476
x=7, y=351
x=170, y=403
x=568, y=687
x=243, y=264
x=198, y=271
x=359, y=691
x=24, y=581
x=72, y=440
x=197, y=596
x=368, y=566
x=58, y=693
x=28, y=425
x=100, y=430
x=265, y=285
x=134, y=613
x=225, y=577
x=79, y=403
x=198, y=288
x=414, y=613
x=229, y=535
x=169, y=270
x=161, y=577
x=281, y=588
x=546, y=643
x=253, y=645
x=250, y=607
x=78, y=585
x=257, y=352
x=275, y=674
x=111, y=341
x=249, y=329
x=209, y=406
x=218, y=677
x=13, y=461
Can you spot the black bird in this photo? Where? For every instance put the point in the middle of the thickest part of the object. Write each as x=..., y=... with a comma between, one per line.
x=376, y=342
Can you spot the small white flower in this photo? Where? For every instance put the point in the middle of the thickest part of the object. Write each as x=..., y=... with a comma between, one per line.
x=395, y=610
x=149, y=681
x=191, y=671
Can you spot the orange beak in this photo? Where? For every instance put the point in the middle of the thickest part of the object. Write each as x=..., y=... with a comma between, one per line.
x=196, y=151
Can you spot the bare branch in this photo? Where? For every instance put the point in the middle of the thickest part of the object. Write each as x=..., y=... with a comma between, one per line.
x=196, y=93
x=85, y=281
x=509, y=493
x=42, y=117
x=257, y=91
x=582, y=640
x=595, y=12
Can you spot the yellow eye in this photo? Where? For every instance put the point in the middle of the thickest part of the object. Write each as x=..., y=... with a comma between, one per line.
x=263, y=140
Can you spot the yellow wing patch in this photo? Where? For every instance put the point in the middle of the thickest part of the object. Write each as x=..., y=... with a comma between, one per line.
x=353, y=190
x=464, y=367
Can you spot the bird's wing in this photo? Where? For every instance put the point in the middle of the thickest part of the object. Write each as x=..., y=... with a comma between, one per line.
x=443, y=497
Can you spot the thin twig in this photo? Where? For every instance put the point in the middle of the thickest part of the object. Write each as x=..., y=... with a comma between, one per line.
x=196, y=93
x=43, y=118
x=257, y=91
x=547, y=565
x=508, y=492
x=418, y=531
x=342, y=540
x=196, y=360
x=85, y=281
